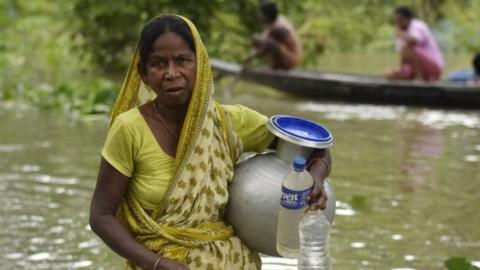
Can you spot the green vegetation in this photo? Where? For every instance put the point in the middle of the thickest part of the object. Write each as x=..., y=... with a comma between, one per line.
x=459, y=263
x=73, y=54
x=359, y=202
x=41, y=63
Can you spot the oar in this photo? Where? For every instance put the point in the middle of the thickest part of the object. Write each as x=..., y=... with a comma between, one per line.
x=231, y=85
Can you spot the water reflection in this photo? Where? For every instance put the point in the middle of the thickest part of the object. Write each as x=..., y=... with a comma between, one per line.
x=343, y=209
x=342, y=112
x=357, y=245
x=442, y=119
x=7, y=148
x=409, y=257
x=272, y=263
x=471, y=158
x=397, y=237
x=420, y=146
x=406, y=180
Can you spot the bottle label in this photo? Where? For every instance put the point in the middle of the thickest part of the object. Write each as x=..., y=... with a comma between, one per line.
x=294, y=199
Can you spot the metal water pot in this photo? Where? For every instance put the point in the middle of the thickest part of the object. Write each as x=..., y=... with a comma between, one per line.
x=256, y=188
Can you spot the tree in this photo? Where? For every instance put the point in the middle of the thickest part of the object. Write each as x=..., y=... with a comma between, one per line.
x=110, y=28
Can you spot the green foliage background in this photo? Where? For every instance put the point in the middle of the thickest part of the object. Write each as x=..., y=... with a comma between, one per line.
x=72, y=54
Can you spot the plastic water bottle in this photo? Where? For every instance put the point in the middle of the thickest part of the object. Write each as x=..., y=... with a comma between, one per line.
x=296, y=186
x=314, y=232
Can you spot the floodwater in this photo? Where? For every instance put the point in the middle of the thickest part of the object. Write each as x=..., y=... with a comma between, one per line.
x=407, y=182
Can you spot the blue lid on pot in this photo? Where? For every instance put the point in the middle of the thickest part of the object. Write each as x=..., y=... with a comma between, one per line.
x=300, y=131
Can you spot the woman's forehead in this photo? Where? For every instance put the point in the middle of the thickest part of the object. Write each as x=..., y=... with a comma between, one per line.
x=172, y=42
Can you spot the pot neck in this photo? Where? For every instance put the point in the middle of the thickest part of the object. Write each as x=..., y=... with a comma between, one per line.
x=286, y=151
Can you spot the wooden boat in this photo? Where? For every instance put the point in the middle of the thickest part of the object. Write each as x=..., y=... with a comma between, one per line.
x=358, y=88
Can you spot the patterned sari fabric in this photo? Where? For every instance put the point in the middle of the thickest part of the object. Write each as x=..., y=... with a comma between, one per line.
x=188, y=225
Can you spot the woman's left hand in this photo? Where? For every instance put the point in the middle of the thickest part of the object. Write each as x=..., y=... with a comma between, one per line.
x=318, y=196
x=319, y=169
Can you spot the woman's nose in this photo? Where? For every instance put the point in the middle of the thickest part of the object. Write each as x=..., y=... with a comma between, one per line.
x=172, y=71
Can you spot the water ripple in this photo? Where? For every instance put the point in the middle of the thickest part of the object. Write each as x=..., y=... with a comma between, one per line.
x=27, y=168
x=82, y=264
x=434, y=118
x=347, y=112
x=471, y=158
x=8, y=148
x=42, y=256
x=275, y=263
x=343, y=209
x=397, y=237
x=42, y=144
x=45, y=178
x=443, y=119
x=409, y=257
x=13, y=256
x=358, y=244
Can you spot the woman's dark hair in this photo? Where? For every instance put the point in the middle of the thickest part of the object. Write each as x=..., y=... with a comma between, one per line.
x=404, y=11
x=157, y=27
x=269, y=9
x=476, y=64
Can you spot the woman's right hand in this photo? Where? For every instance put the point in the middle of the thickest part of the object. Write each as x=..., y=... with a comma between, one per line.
x=167, y=264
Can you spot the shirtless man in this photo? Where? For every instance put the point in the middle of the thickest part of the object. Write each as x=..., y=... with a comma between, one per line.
x=420, y=55
x=278, y=44
x=476, y=68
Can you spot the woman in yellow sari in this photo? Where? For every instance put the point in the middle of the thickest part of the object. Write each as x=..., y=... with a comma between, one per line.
x=169, y=156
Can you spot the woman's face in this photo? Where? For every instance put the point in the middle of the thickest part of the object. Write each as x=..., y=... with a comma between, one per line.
x=171, y=70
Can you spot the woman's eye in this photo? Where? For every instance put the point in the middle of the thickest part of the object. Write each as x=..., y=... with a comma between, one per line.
x=158, y=63
x=183, y=60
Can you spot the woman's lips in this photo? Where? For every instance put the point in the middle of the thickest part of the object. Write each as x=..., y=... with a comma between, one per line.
x=174, y=89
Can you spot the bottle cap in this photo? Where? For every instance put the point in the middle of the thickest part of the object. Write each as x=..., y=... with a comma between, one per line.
x=299, y=163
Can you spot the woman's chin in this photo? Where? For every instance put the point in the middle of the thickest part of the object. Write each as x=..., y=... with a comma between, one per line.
x=176, y=102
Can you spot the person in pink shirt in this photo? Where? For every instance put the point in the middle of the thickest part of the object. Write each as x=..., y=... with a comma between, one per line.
x=420, y=55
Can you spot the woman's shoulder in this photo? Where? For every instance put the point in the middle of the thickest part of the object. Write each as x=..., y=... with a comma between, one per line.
x=238, y=111
x=130, y=119
x=243, y=118
x=250, y=127
x=231, y=108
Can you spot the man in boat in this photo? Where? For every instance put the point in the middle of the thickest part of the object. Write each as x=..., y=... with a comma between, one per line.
x=278, y=44
x=476, y=68
x=420, y=55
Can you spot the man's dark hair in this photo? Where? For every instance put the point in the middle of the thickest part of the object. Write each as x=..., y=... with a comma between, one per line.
x=154, y=29
x=476, y=64
x=404, y=11
x=269, y=9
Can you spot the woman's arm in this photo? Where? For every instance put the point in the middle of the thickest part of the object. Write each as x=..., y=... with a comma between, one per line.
x=319, y=166
x=109, y=191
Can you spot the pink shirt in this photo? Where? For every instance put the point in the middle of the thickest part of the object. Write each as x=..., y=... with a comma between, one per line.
x=425, y=42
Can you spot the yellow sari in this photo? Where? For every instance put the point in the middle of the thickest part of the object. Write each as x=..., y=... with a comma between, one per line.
x=188, y=225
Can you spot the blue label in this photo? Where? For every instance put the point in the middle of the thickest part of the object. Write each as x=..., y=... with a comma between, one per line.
x=294, y=199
